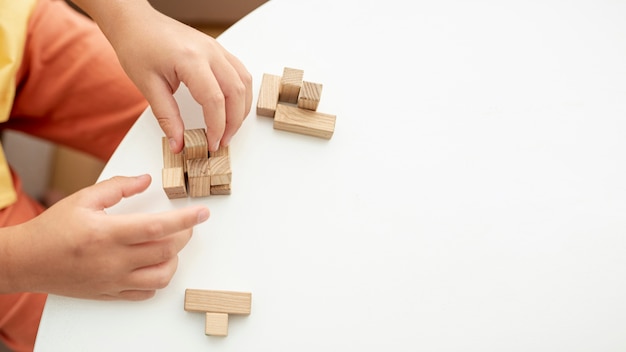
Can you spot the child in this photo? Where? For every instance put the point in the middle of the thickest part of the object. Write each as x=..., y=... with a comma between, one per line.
x=61, y=79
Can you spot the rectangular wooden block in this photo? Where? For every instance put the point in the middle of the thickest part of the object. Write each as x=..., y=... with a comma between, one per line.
x=310, y=95
x=228, y=302
x=170, y=159
x=196, y=144
x=216, y=324
x=268, y=95
x=173, y=179
x=312, y=123
x=220, y=190
x=199, y=177
x=290, y=84
x=221, y=173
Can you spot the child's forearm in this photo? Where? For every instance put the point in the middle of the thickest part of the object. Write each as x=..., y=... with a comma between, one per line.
x=113, y=15
x=11, y=274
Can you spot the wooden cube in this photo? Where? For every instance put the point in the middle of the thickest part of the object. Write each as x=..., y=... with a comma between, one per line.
x=220, y=170
x=196, y=144
x=223, y=151
x=216, y=324
x=310, y=95
x=290, y=85
x=199, y=177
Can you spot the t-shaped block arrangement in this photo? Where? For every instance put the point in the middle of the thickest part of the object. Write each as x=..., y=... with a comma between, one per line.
x=293, y=102
x=217, y=305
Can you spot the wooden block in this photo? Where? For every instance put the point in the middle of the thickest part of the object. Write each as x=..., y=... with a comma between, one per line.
x=199, y=177
x=290, y=84
x=312, y=123
x=216, y=324
x=220, y=190
x=196, y=145
x=223, y=151
x=220, y=170
x=310, y=95
x=228, y=302
x=174, y=182
x=170, y=159
x=268, y=95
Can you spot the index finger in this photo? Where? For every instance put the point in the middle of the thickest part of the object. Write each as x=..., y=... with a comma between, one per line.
x=139, y=228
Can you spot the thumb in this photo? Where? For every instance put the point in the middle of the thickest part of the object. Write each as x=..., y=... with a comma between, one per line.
x=109, y=192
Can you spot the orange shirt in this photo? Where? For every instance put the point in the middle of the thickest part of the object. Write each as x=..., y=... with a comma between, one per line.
x=14, y=15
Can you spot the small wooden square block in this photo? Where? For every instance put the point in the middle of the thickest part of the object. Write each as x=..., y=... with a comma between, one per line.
x=290, y=85
x=196, y=145
x=221, y=173
x=216, y=324
x=223, y=151
x=310, y=95
x=199, y=177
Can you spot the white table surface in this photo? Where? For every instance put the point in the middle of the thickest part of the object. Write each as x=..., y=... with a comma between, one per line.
x=473, y=197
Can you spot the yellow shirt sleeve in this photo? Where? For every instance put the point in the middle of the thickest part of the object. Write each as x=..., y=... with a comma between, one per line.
x=14, y=15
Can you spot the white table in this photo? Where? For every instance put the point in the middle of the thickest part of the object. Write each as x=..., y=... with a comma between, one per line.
x=473, y=197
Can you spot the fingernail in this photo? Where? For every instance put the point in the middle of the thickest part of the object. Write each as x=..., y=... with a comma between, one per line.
x=217, y=145
x=203, y=215
x=172, y=144
x=142, y=180
x=226, y=140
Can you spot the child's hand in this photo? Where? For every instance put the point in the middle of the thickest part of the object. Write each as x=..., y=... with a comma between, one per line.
x=158, y=53
x=76, y=249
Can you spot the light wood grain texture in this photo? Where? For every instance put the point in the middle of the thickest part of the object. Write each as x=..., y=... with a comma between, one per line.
x=312, y=123
x=173, y=172
x=221, y=173
x=290, y=85
x=196, y=145
x=268, y=95
x=310, y=95
x=170, y=159
x=174, y=182
x=228, y=302
x=216, y=324
x=222, y=151
x=199, y=177
x=221, y=190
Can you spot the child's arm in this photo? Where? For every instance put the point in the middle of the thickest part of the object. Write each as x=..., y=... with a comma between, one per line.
x=76, y=249
x=158, y=53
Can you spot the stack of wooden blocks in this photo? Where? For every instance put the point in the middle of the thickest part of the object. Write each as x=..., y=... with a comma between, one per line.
x=195, y=172
x=217, y=305
x=293, y=102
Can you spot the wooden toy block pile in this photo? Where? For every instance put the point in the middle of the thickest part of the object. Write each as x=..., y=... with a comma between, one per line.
x=195, y=172
x=292, y=102
x=217, y=305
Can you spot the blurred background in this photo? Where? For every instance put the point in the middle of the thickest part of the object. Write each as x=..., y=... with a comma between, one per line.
x=51, y=171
